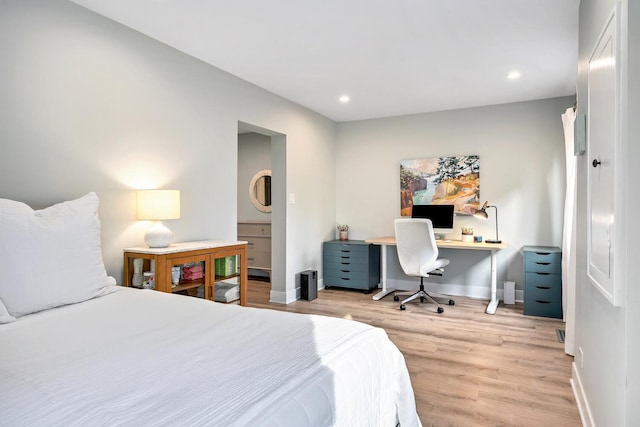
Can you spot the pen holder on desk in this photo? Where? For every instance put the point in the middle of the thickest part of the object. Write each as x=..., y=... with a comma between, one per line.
x=467, y=234
x=467, y=238
x=477, y=239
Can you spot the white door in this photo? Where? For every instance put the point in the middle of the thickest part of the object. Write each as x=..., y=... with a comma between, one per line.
x=603, y=135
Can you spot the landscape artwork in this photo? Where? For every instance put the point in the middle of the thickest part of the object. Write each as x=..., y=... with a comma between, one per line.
x=441, y=181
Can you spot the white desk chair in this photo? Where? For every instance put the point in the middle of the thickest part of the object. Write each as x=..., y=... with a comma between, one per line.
x=418, y=255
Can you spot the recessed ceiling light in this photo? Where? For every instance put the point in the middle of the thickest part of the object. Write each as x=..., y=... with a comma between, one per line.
x=513, y=75
x=344, y=99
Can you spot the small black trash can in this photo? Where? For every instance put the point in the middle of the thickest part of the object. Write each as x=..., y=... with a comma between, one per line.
x=309, y=285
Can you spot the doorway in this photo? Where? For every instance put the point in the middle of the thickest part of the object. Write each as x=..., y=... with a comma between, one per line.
x=261, y=207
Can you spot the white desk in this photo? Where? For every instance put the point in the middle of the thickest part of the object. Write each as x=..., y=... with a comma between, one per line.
x=442, y=244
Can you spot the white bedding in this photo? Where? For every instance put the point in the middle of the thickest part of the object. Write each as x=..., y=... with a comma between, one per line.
x=140, y=357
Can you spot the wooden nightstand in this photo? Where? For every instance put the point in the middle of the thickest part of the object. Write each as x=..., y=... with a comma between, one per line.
x=178, y=254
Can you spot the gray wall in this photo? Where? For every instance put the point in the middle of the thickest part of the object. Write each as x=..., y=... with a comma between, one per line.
x=87, y=104
x=609, y=336
x=522, y=172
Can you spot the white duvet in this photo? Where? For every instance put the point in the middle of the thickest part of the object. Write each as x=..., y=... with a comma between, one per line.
x=139, y=358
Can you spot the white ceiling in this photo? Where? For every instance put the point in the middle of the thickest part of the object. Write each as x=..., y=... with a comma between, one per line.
x=392, y=57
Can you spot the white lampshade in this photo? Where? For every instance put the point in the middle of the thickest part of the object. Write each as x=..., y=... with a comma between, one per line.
x=157, y=205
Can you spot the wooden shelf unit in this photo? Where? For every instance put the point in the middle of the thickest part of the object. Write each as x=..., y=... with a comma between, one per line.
x=177, y=254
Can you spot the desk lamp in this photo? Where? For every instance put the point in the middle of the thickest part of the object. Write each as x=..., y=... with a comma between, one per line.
x=158, y=205
x=482, y=213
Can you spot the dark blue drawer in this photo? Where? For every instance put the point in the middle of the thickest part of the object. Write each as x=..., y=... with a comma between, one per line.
x=347, y=280
x=347, y=267
x=339, y=254
x=543, y=256
x=345, y=248
x=344, y=257
x=542, y=267
x=541, y=307
x=549, y=290
x=543, y=280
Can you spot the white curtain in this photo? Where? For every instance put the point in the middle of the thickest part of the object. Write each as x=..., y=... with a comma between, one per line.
x=569, y=236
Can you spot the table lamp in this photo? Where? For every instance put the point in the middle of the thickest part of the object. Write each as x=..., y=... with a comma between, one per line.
x=158, y=205
x=482, y=213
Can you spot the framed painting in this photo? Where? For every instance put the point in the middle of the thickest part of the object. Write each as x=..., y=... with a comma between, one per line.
x=441, y=181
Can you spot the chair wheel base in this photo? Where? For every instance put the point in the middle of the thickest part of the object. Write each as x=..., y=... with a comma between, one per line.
x=452, y=302
x=440, y=310
x=396, y=298
x=403, y=307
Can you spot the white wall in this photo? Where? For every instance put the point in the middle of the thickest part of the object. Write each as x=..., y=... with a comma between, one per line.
x=632, y=339
x=521, y=149
x=87, y=104
x=609, y=337
x=254, y=155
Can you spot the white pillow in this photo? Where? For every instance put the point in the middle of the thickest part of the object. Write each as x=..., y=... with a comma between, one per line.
x=50, y=257
x=5, y=317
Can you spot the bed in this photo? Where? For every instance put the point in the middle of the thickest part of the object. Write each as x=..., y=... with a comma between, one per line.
x=122, y=356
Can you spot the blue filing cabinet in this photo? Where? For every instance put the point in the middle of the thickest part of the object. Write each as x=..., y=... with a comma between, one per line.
x=543, y=281
x=352, y=264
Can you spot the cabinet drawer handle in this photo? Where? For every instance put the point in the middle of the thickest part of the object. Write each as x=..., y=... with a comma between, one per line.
x=543, y=287
x=249, y=259
x=543, y=274
x=543, y=253
x=345, y=278
x=345, y=257
x=543, y=302
x=345, y=263
x=543, y=263
x=251, y=243
x=345, y=271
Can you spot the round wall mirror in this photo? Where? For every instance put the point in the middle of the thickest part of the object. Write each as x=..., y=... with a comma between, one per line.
x=260, y=190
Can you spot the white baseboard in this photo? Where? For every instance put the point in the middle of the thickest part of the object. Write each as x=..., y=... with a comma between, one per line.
x=479, y=292
x=581, y=398
x=280, y=297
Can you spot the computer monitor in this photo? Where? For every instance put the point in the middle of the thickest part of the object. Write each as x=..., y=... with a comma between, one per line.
x=441, y=216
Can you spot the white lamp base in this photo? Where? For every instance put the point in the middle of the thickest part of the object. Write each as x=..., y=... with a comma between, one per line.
x=158, y=236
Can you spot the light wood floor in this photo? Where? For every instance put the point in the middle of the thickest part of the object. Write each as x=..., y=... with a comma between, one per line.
x=467, y=368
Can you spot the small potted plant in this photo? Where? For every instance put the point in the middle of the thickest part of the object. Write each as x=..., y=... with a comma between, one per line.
x=344, y=231
x=467, y=234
